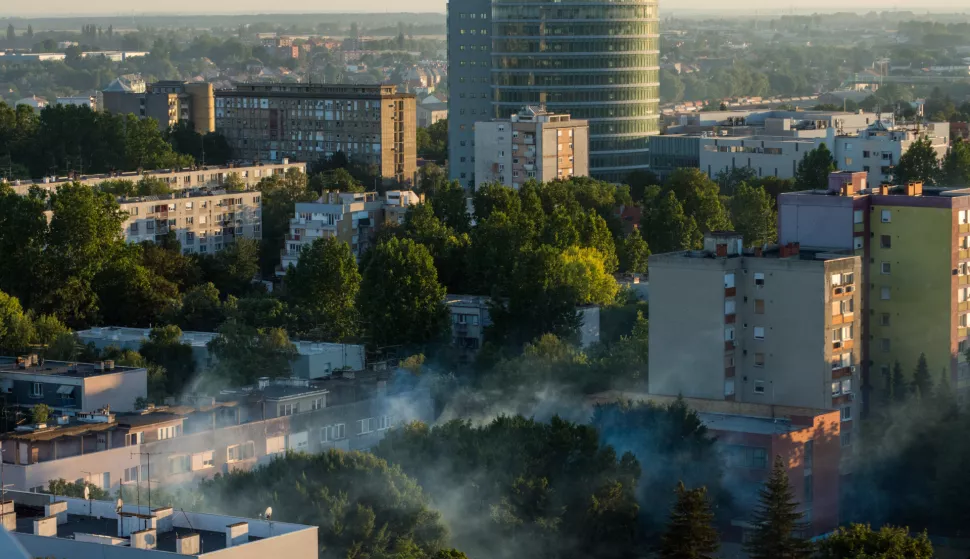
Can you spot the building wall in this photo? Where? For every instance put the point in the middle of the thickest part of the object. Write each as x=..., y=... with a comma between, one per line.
x=469, y=82
x=493, y=153
x=722, y=154
x=815, y=221
x=687, y=344
x=116, y=390
x=92, y=467
x=204, y=224
x=202, y=111
x=921, y=305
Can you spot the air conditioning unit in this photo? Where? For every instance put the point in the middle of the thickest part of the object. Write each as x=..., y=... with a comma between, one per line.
x=837, y=345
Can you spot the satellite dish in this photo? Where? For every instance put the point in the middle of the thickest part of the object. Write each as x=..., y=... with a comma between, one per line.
x=87, y=492
x=118, y=505
x=269, y=513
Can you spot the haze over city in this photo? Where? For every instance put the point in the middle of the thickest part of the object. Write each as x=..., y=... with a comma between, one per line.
x=119, y=7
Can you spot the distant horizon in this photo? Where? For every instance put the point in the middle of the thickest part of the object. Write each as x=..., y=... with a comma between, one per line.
x=68, y=9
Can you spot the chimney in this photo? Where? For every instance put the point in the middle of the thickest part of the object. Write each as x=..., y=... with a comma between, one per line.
x=57, y=509
x=884, y=190
x=759, y=252
x=187, y=544
x=8, y=518
x=46, y=526
x=237, y=534
x=144, y=539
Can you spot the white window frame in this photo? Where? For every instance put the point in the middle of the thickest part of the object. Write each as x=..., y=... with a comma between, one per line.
x=885, y=268
x=759, y=387
x=759, y=276
x=364, y=426
x=886, y=216
x=728, y=281
x=885, y=293
x=37, y=390
x=759, y=332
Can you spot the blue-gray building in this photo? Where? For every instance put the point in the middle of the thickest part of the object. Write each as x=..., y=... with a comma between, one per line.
x=469, y=82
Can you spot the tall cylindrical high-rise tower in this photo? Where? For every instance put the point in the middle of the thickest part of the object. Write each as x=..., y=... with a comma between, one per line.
x=597, y=60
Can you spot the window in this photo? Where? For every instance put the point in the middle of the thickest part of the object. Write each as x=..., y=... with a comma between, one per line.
x=243, y=451
x=962, y=215
x=134, y=438
x=884, y=293
x=963, y=321
x=179, y=464
x=836, y=388
x=330, y=433
x=885, y=268
x=847, y=386
x=845, y=438
x=759, y=279
x=759, y=387
x=207, y=458
x=846, y=413
x=131, y=474
x=37, y=390
x=885, y=241
x=809, y=490
x=884, y=320
x=759, y=359
x=729, y=333
x=886, y=216
x=169, y=432
x=857, y=243
x=728, y=281
x=289, y=409
x=836, y=279
x=884, y=344
x=759, y=306
x=739, y=456
x=729, y=306
x=808, y=458
x=365, y=426
x=729, y=387
x=384, y=423
x=316, y=404
x=759, y=332
x=134, y=228
x=857, y=216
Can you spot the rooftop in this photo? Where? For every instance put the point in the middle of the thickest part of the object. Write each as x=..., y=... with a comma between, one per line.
x=126, y=335
x=32, y=365
x=467, y=300
x=78, y=522
x=75, y=426
x=748, y=424
x=728, y=244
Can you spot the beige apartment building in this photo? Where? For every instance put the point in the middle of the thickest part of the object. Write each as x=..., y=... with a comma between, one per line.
x=532, y=144
x=370, y=124
x=168, y=102
x=211, y=176
x=353, y=217
x=204, y=220
x=780, y=326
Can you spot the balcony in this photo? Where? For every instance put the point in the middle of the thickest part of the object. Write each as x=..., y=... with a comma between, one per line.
x=840, y=372
x=730, y=291
x=729, y=372
x=730, y=318
x=729, y=345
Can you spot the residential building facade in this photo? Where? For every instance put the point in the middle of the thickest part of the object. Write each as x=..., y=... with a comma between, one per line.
x=205, y=435
x=168, y=102
x=532, y=144
x=370, y=124
x=211, y=176
x=778, y=326
x=431, y=113
x=204, y=221
x=70, y=388
x=352, y=217
x=469, y=82
x=915, y=242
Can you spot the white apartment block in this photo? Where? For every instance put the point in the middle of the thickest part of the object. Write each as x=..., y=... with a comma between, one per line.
x=204, y=221
x=875, y=149
x=353, y=217
x=533, y=144
x=213, y=176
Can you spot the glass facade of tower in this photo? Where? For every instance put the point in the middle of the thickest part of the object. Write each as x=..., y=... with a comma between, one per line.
x=594, y=59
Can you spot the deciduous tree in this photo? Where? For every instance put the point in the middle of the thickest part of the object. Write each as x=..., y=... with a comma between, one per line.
x=920, y=163
x=754, y=215
x=322, y=290
x=889, y=542
x=814, y=169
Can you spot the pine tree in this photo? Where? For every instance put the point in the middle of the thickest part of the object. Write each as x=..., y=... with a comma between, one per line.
x=922, y=382
x=777, y=521
x=900, y=390
x=690, y=534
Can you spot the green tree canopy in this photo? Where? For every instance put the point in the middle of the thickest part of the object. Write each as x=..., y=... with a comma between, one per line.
x=278, y=196
x=690, y=533
x=667, y=227
x=777, y=521
x=164, y=348
x=401, y=301
x=862, y=542
x=700, y=197
x=246, y=353
x=753, y=211
x=546, y=489
x=814, y=169
x=322, y=289
x=920, y=163
x=956, y=165
x=363, y=506
x=634, y=254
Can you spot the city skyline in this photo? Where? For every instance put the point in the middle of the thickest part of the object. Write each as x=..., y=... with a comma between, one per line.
x=63, y=8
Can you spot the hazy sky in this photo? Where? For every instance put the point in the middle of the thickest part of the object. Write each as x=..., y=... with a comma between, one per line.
x=110, y=7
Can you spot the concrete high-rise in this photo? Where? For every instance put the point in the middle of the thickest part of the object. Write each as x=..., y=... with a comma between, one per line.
x=594, y=60
x=469, y=82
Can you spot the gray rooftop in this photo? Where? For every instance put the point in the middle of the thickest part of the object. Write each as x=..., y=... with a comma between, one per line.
x=748, y=424
x=60, y=368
